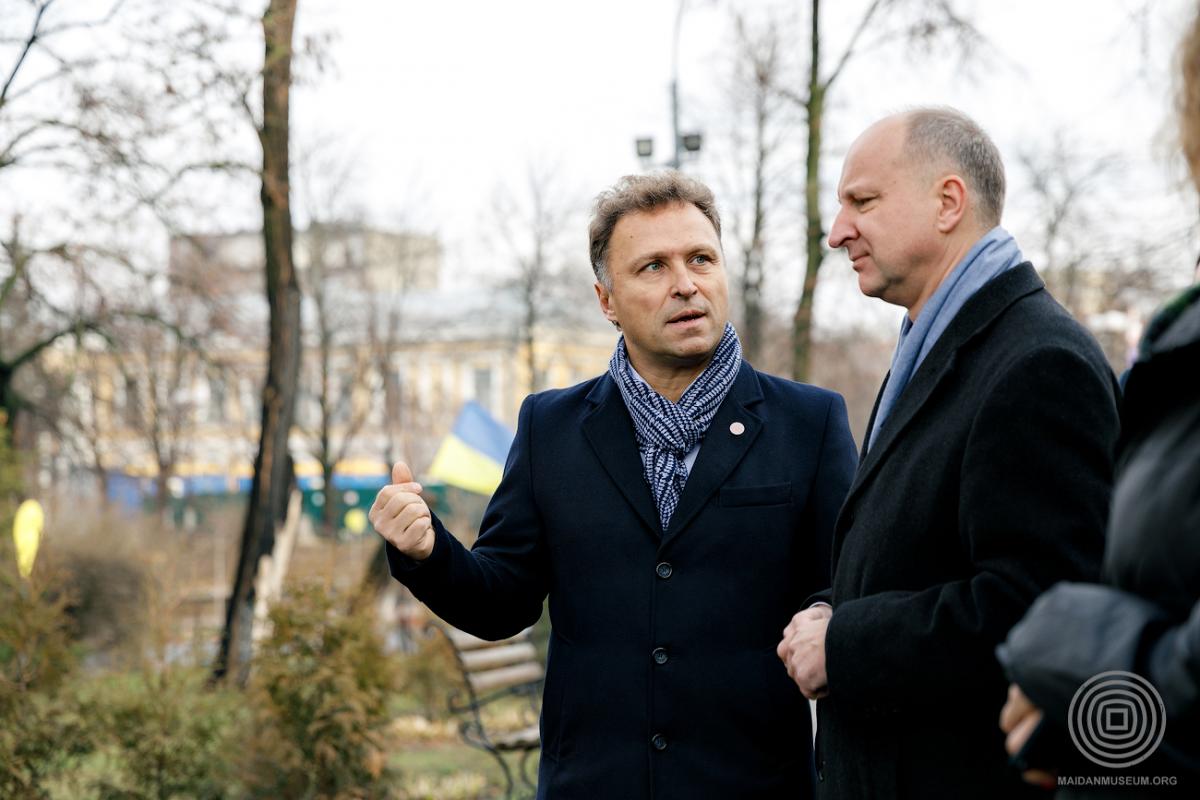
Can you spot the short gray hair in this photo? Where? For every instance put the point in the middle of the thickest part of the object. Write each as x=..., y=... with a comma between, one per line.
x=940, y=134
x=642, y=193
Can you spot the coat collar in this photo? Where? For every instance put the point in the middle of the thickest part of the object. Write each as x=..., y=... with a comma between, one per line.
x=609, y=430
x=972, y=319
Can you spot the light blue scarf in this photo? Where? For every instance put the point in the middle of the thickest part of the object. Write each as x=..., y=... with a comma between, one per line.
x=995, y=253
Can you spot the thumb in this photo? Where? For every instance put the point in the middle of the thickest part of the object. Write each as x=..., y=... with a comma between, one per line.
x=401, y=473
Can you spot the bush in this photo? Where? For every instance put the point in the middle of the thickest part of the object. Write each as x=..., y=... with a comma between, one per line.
x=310, y=725
x=164, y=736
x=35, y=636
x=323, y=681
x=110, y=602
x=127, y=736
x=38, y=733
x=41, y=737
x=429, y=675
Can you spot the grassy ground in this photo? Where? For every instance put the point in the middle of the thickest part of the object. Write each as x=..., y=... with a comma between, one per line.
x=176, y=621
x=447, y=770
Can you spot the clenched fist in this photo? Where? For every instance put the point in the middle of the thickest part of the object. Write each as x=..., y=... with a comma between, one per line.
x=402, y=517
x=802, y=650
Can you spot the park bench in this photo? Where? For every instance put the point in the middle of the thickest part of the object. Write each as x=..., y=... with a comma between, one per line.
x=491, y=671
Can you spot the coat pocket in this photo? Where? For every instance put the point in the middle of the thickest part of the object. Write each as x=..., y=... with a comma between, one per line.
x=774, y=495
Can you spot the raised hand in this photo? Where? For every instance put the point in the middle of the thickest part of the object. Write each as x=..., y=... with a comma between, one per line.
x=402, y=517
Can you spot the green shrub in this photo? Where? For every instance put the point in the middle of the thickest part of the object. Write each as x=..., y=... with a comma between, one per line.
x=41, y=737
x=39, y=733
x=428, y=676
x=323, y=680
x=35, y=635
x=166, y=735
x=110, y=602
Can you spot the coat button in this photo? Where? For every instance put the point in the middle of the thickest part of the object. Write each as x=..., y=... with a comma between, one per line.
x=659, y=655
x=664, y=570
x=659, y=741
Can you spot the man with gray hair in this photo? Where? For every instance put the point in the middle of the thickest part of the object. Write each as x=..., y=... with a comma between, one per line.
x=676, y=510
x=984, y=476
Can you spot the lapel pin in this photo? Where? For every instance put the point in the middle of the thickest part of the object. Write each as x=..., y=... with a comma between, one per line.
x=737, y=428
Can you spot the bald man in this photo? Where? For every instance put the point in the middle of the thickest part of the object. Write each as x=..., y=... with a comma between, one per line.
x=984, y=477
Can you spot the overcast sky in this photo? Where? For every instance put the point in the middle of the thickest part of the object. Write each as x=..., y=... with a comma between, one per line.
x=440, y=102
x=436, y=104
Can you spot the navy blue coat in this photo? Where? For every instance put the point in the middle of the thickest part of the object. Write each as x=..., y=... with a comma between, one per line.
x=574, y=519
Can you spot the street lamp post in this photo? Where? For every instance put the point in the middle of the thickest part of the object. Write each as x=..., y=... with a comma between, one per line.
x=682, y=143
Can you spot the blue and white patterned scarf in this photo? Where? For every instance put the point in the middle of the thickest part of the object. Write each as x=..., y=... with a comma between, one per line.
x=666, y=431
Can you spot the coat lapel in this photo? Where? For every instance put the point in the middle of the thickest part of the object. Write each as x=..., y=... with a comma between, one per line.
x=936, y=367
x=721, y=449
x=609, y=431
x=862, y=452
x=975, y=316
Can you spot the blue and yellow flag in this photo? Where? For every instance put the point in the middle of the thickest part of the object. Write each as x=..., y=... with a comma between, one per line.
x=472, y=456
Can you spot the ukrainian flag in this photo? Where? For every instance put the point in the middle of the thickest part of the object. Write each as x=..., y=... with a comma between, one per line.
x=472, y=456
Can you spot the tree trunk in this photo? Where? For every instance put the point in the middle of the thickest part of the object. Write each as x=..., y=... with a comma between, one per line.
x=329, y=520
x=327, y=401
x=814, y=229
x=376, y=578
x=754, y=256
x=530, y=354
x=533, y=283
x=268, y=493
x=161, y=500
x=9, y=402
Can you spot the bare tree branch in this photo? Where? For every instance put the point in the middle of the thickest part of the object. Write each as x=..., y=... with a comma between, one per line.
x=84, y=24
x=859, y=29
x=34, y=34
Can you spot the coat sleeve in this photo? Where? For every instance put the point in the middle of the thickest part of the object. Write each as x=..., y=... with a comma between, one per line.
x=1035, y=486
x=1075, y=631
x=495, y=589
x=1173, y=666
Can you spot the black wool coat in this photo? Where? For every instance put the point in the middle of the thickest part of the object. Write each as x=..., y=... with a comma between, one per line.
x=989, y=482
x=573, y=518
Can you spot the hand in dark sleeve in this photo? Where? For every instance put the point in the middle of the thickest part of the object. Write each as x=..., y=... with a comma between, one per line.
x=1021, y=525
x=1073, y=632
x=495, y=589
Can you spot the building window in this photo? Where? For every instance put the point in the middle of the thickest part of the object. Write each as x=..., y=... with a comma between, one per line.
x=341, y=396
x=483, y=387
x=249, y=403
x=216, y=399
x=131, y=401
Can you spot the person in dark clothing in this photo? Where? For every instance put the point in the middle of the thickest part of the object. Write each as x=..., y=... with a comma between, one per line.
x=1105, y=694
x=985, y=477
x=676, y=510
x=1145, y=619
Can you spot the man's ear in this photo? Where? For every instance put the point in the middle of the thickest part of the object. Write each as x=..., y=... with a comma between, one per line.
x=605, y=297
x=952, y=203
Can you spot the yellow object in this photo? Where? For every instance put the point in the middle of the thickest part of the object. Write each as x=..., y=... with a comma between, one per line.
x=355, y=520
x=464, y=467
x=27, y=534
x=305, y=469
x=361, y=466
